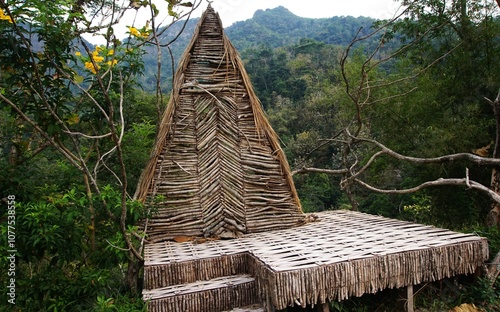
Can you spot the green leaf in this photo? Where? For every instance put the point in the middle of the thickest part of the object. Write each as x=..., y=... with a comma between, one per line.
x=72, y=119
x=53, y=129
x=155, y=10
x=78, y=79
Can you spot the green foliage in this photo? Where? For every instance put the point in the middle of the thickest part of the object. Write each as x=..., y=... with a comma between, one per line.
x=420, y=209
x=45, y=230
x=317, y=192
x=483, y=294
x=56, y=267
x=119, y=303
x=269, y=29
x=440, y=111
x=491, y=233
x=380, y=204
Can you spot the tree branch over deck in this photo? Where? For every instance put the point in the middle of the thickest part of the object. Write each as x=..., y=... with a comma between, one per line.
x=360, y=91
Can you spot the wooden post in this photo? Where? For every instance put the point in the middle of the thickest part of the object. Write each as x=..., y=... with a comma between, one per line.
x=409, y=298
x=323, y=307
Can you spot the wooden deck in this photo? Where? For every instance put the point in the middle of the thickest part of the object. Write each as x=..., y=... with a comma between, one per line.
x=343, y=254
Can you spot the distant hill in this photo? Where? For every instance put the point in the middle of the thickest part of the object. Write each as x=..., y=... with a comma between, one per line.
x=270, y=28
x=280, y=27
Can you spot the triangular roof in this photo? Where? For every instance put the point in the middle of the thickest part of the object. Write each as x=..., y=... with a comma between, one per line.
x=217, y=168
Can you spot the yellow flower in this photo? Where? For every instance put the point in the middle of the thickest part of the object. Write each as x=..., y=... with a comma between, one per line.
x=112, y=63
x=5, y=17
x=78, y=53
x=134, y=32
x=98, y=59
x=91, y=67
x=95, y=53
x=111, y=52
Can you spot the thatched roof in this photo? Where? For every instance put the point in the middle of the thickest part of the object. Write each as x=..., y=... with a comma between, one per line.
x=217, y=168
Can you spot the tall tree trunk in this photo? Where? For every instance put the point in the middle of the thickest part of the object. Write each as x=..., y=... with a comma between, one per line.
x=91, y=212
x=493, y=217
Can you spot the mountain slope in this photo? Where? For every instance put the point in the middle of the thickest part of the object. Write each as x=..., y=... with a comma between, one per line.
x=280, y=27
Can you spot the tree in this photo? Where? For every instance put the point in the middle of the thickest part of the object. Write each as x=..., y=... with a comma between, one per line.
x=68, y=99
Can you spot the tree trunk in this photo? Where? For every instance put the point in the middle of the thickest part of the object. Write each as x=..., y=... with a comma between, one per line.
x=493, y=217
x=134, y=267
x=91, y=212
x=493, y=269
x=349, y=191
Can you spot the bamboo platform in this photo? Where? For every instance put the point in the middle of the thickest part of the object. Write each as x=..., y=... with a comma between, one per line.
x=343, y=254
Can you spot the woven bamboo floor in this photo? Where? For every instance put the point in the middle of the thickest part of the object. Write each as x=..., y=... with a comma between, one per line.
x=344, y=254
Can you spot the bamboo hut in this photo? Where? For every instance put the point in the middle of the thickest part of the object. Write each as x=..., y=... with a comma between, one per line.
x=217, y=171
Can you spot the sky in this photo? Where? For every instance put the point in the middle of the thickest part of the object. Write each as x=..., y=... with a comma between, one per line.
x=231, y=11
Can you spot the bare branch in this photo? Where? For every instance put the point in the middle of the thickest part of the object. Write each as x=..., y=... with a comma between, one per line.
x=67, y=154
x=398, y=95
x=496, y=100
x=493, y=268
x=318, y=170
x=420, y=72
x=438, y=182
x=406, y=46
x=187, y=16
x=476, y=159
x=88, y=136
x=116, y=247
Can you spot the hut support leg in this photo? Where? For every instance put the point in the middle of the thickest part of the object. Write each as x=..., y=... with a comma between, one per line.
x=409, y=298
x=323, y=307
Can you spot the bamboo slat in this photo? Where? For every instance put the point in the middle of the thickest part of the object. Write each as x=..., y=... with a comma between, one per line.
x=215, y=295
x=344, y=254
